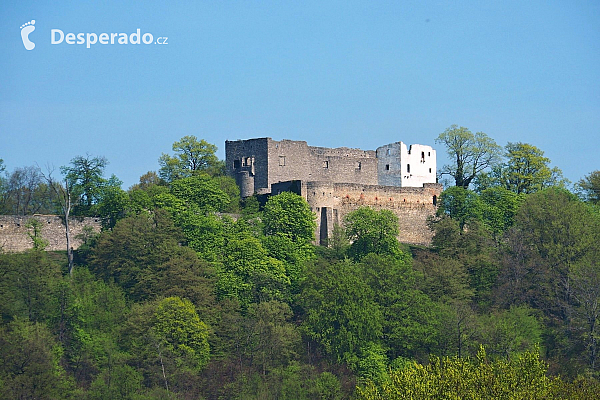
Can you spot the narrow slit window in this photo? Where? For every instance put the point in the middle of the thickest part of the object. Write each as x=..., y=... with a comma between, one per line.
x=325, y=164
x=408, y=168
x=282, y=161
x=387, y=167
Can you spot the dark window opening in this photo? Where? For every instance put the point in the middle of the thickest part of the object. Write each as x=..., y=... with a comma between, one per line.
x=387, y=167
x=358, y=165
x=429, y=170
x=236, y=164
x=434, y=200
x=423, y=155
x=408, y=168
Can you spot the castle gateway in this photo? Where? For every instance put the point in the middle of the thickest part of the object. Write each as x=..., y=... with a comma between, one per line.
x=336, y=181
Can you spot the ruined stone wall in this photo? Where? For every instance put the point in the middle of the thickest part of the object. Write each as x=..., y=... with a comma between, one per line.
x=404, y=166
x=14, y=238
x=248, y=162
x=332, y=201
x=259, y=163
x=295, y=160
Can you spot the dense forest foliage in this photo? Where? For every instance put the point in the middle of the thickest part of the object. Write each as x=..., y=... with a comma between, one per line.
x=191, y=293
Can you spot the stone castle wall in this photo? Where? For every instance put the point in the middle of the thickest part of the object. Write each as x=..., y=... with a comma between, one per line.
x=14, y=231
x=332, y=201
x=256, y=164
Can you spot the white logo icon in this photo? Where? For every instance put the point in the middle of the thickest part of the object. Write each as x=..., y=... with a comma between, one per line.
x=26, y=29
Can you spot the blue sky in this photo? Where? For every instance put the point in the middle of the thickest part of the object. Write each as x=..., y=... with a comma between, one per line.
x=334, y=73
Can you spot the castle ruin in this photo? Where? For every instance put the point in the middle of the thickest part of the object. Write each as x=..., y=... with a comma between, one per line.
x=15, y=231
x=336, y=181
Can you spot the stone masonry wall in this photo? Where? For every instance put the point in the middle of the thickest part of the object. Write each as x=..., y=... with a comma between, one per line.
x=256, y=164
x=332, y=201
x=295, y=160
x=14, y=237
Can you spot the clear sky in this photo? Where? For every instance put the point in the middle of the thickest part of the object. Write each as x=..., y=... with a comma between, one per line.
x=334, y=73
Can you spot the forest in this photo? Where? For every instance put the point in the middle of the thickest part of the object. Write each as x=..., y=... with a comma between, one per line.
x=190, y=292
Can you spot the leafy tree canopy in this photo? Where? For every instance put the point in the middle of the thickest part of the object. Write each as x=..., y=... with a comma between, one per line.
x=589, y=187
x=372, y=231
x=471, y=154
x=191, y=156
x=288, y=214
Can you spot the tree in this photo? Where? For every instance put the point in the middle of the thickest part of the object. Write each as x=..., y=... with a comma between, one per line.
x=30, y=363
x=472, y=153
x=340, y=312
x=25, y=193
x=112, y=206
x=65, y=197
x=372, y=231
x=249, y=274
x=585, y=278
x=500, y=206
x=192, y=155
x=509, y=332
x=460, y=204
x=84, y=175
x=201, y=190
x=589, y=187
x=178, y=326
x=527, y=169
x=288, y=214
x=521, y=377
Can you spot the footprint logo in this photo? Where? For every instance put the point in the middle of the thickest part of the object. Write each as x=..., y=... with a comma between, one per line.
x=26, y=29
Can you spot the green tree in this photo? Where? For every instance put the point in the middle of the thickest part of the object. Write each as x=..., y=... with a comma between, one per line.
x=29, y=285
x=179, y=328
x=442, y=278
x=372, y=231
x=585, y=279
x=521, y=377
x=30, y=363
x=24, y=192
x=340, y=312
x=113, y=205
x=500, y=206
x=249, y=274
x=143, y=255
x=288, y=214
x=85, y=178
x=471, y=154
x=35, y=234
x=328, y=386
x=202, y=191
x=191, y=156
x=509, y=332
x=527, y=169
x=589, y=187
x=462, y=205
x=554, y=235
x=274, y=339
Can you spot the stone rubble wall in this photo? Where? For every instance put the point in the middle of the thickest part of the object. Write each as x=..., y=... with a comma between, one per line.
x=14, y=231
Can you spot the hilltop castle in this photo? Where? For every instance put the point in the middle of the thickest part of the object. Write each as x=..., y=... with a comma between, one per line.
x=336, y=181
